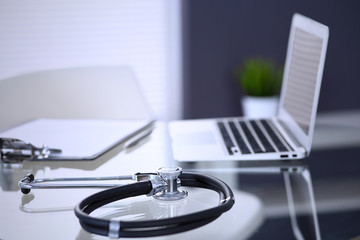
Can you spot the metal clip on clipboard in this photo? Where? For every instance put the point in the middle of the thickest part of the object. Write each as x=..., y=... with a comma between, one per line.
x=13, y=150
x=78, y=139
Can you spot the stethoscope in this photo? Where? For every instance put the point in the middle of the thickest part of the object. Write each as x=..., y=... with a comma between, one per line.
x=164, y=185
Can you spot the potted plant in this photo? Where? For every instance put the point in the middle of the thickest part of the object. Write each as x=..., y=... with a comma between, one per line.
x=260, y=81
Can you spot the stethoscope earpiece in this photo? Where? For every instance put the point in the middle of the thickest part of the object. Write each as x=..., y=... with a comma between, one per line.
x=27, y=179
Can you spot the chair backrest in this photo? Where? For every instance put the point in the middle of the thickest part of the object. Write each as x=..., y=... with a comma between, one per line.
x=102, y=92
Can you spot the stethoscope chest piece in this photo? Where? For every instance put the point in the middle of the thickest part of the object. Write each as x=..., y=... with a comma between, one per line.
x=171, y=192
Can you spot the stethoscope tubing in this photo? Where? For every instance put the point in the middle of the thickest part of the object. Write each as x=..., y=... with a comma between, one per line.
x=158, y=227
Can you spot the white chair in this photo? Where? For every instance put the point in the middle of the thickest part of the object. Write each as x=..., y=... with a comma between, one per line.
x=102, y=92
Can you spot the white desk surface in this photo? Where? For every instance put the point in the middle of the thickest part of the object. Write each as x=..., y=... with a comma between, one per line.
x=48, y=213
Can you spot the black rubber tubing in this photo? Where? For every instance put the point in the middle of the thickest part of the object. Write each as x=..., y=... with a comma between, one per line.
x=161, y=226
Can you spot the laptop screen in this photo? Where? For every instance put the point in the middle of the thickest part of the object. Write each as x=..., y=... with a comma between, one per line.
x=302, y=76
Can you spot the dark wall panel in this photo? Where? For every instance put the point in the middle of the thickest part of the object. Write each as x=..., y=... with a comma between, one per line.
x=218, y=35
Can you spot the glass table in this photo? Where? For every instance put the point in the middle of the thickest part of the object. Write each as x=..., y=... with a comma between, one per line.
x=274, y=199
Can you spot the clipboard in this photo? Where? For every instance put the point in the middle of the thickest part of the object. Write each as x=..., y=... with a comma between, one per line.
x=80, y=139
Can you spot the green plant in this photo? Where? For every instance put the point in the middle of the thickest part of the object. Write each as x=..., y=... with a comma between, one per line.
x=259, y=77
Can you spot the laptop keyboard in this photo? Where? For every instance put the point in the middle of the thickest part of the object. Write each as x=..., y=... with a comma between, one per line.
x=252, y=136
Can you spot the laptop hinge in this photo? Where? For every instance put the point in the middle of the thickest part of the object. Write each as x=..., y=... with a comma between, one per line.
x=289, y=134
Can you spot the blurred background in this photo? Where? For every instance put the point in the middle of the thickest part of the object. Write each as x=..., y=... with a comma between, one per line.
x=218, y=35
x=182, y=52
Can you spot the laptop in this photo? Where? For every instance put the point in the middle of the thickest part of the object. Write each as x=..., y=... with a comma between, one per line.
x=289, y=134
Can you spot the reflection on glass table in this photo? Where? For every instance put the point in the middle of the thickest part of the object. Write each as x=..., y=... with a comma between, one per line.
x=285, y=189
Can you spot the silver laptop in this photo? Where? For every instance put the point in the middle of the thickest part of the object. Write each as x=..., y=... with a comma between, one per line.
x=285, y=136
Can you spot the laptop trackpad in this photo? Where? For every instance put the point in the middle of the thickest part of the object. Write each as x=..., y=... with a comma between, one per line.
x=195, y=138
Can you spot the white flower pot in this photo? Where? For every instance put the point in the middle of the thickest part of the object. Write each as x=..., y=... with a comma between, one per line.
x=255, y=107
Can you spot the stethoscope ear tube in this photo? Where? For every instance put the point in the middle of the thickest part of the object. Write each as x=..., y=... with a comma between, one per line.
x=149, y=228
